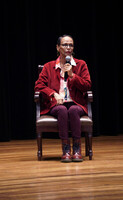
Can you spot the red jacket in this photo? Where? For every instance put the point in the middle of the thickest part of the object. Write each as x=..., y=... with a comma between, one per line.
x=49, y=82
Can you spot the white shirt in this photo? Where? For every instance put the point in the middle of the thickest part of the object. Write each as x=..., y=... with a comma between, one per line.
x=64, y=91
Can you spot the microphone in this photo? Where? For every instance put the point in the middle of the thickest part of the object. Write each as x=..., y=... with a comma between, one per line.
x=67, y=58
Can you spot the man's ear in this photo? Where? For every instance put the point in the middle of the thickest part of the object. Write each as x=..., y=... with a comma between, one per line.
x=57, y=47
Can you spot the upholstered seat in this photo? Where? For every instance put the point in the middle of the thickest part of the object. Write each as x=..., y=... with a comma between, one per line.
x=47, y=122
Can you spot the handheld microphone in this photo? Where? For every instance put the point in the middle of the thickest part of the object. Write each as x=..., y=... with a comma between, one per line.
x=67, y=58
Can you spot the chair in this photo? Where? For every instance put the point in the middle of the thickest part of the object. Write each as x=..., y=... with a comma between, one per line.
x=47, y=123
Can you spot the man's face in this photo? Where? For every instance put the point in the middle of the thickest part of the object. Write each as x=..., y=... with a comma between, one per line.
x=66, y=47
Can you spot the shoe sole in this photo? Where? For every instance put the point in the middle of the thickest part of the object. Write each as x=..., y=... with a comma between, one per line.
x=66, y=161
x=77, y=160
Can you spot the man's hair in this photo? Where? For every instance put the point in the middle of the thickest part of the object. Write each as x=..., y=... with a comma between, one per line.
x=60, y=38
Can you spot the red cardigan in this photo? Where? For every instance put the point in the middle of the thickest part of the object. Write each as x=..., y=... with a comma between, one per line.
x=49, y=82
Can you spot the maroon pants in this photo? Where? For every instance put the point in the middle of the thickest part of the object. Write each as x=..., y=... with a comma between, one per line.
x=68, y=114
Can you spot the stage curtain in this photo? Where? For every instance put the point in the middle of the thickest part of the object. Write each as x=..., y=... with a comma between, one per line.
x=29, y=34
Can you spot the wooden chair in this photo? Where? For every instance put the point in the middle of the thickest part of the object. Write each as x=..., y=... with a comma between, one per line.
x=47, y=123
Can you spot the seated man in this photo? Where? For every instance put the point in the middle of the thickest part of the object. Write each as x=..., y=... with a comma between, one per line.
x=63, y=84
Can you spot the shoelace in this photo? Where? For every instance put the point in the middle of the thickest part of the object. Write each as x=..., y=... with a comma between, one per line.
x=76, y=147
x=66, y=147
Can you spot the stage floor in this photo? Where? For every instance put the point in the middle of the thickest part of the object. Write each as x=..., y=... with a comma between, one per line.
x=23, y=177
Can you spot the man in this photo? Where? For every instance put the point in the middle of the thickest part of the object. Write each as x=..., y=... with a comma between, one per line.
x=64, y=98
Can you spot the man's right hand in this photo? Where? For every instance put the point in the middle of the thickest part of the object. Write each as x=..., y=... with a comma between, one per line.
x=58, y=98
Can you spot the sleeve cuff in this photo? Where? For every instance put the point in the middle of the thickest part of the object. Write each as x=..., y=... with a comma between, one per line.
x=51, y=94
x=72, y=77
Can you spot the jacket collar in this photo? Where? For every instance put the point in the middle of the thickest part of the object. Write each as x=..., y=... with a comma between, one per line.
x=57, y=65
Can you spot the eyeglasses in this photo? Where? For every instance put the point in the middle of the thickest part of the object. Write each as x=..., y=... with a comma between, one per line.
x=67, y=45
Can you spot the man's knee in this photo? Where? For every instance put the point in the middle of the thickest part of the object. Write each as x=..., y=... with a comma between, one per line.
x=72, y=110
x=62, y=108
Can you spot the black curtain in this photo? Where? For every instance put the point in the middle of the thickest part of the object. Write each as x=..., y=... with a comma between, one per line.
x=29, y=33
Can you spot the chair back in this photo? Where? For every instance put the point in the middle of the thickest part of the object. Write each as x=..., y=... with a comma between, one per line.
x=40, y=67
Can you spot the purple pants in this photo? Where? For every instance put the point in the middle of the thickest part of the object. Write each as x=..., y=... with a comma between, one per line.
x=68, y=114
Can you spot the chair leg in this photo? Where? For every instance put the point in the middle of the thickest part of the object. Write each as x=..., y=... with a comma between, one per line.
x=90, y=146
x=39, y=143
x=86, y=145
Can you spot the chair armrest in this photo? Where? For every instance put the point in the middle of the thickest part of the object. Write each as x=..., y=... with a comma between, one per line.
x=37, y=101
x=90, y=100
x=90, y=96
x=37, y=96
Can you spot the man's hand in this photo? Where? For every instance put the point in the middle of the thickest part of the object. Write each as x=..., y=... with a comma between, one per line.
x=58, y=98
x=68, y=68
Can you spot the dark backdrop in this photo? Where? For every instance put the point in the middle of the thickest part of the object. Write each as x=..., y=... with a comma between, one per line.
x=30, y=30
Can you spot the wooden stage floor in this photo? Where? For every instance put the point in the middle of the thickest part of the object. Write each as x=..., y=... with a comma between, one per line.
x=23, y=177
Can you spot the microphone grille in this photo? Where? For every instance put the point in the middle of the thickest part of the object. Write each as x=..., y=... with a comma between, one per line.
x=67, y=58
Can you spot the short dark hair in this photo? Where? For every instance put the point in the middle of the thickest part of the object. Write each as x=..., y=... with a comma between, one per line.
x=60, y=38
